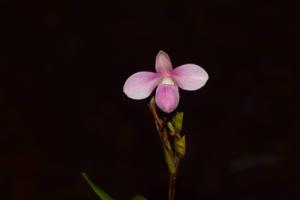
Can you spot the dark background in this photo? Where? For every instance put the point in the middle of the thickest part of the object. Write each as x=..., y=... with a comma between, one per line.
x=62, y=68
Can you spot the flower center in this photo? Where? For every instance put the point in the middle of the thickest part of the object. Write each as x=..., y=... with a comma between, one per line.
x=168, y=80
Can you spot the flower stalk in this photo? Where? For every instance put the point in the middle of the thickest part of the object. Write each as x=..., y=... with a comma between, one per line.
x=173, y=144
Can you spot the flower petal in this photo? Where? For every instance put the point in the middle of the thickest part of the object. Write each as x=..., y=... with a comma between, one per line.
x=163, y=62
x=167, y=97
x=141, y=84
x=190, y=76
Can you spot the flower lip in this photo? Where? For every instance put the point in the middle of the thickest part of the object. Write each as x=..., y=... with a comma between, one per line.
x=167, y=97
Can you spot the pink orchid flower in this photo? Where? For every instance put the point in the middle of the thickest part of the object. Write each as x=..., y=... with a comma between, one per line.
x=167, y=80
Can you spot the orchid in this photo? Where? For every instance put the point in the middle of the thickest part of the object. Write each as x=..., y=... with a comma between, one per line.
x=189, y=77
x=167, y=80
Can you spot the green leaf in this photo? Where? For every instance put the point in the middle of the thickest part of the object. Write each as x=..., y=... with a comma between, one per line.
x=138, y=197
x=100, y=193
x=177, y=121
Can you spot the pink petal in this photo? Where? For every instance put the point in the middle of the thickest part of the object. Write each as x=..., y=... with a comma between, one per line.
x=167, y=97
x=163, y=62
x=141, y=84
x=190, y=76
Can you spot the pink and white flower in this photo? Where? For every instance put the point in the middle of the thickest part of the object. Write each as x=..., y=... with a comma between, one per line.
x=167, y=80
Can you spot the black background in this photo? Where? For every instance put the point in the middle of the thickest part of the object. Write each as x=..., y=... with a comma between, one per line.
x=62, y=68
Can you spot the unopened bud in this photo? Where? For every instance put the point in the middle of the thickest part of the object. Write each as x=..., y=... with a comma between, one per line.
x=171, y=128
x=179, y=146
x=177, y=121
